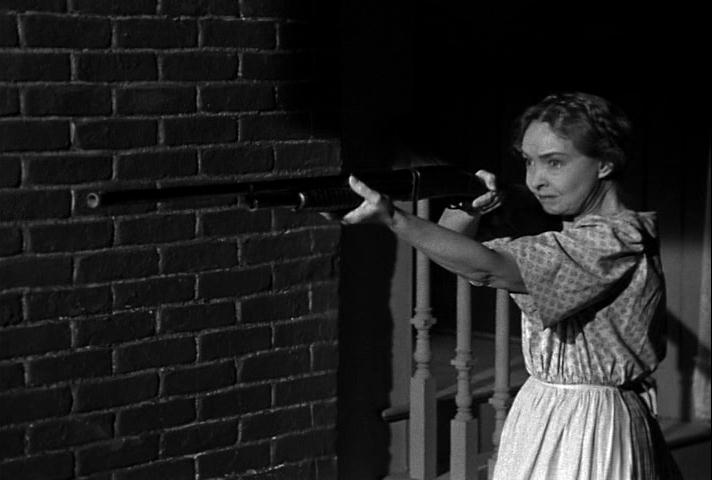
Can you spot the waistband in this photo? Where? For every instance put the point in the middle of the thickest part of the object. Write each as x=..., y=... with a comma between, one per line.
x=579, y=386
x=645, y=389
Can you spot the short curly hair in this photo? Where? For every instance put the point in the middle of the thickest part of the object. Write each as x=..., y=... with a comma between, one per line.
x=596, y=127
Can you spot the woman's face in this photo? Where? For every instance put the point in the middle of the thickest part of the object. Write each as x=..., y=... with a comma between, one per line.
x=563, y=179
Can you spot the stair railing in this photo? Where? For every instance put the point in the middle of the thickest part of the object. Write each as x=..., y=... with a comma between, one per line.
x=422, y=414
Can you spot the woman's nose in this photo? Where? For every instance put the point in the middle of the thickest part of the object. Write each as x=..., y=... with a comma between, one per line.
x=535, y=177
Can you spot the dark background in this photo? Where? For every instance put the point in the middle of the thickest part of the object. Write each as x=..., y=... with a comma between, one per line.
x=200, y=340
x=426, y=80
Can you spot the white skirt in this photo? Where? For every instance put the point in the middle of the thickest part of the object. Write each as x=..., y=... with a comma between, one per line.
x=580, y=432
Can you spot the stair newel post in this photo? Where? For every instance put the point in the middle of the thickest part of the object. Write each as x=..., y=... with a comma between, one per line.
x=463, y=427
x=501, y=399
x=423, y=427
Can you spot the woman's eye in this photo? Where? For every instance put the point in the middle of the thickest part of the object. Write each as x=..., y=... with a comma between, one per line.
x=554, y=163
x=527, y=161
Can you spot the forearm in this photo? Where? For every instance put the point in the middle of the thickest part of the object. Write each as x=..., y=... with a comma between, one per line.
x=460, y=222
x=458, y=253
x=454, y=251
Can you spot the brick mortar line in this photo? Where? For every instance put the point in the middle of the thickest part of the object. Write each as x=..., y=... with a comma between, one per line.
x=119, y=247
x=61, y=287
x=159, y=400
x=155, y=51
x=159, y=15
x=158, y=147
x=153, y=83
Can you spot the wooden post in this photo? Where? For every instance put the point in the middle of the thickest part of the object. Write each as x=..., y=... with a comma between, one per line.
x=463, y=428
x=401, y=306
x=700, y=377
x=500, y=399
x=423, y=427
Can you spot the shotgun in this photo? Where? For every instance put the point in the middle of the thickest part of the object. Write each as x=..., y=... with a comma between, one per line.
x=324, y=193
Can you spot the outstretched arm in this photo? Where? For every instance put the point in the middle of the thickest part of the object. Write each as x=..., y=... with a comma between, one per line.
x=452, y=250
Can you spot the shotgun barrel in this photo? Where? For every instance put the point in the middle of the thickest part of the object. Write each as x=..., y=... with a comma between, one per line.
x=323, y=193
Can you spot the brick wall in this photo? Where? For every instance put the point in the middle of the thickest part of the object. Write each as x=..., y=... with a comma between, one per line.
x=190, y=340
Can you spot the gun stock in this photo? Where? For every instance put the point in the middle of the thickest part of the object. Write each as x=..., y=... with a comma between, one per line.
x=324, y=193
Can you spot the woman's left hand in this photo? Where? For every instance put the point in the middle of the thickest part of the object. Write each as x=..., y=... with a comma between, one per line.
x=375, y=208
x=464, y=218
x=488, y=201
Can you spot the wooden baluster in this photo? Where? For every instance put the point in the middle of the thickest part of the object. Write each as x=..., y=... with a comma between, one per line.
x=401, y=307
x=463, y=428
x=501, y=399
x=700, y=377
x=423, y=427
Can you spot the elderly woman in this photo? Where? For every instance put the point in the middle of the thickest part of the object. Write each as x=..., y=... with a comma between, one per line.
x=592, y=297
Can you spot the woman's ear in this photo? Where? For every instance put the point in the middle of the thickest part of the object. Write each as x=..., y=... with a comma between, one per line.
x=605, y=169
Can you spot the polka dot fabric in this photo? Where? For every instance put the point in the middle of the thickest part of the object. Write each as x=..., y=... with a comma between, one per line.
x=593, y=320
x=595, y=308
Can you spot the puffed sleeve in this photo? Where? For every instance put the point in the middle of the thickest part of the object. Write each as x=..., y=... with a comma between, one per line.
x=585, y=264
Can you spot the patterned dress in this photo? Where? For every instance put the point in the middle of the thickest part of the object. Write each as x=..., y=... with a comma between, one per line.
x=592, y=332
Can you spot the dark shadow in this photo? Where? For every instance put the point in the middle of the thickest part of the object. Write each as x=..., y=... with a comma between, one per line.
x=426, y=81
x=375, y=65
x=691, y=353
x=365, y=333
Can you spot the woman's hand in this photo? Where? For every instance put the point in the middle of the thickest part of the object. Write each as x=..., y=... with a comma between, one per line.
x=464, y=220
x=489, y=201
x=375, y=208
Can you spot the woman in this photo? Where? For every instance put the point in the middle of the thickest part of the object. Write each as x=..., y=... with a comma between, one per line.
x=592, y=297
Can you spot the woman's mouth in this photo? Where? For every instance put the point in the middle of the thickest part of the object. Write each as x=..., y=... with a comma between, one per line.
x=545, y=198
